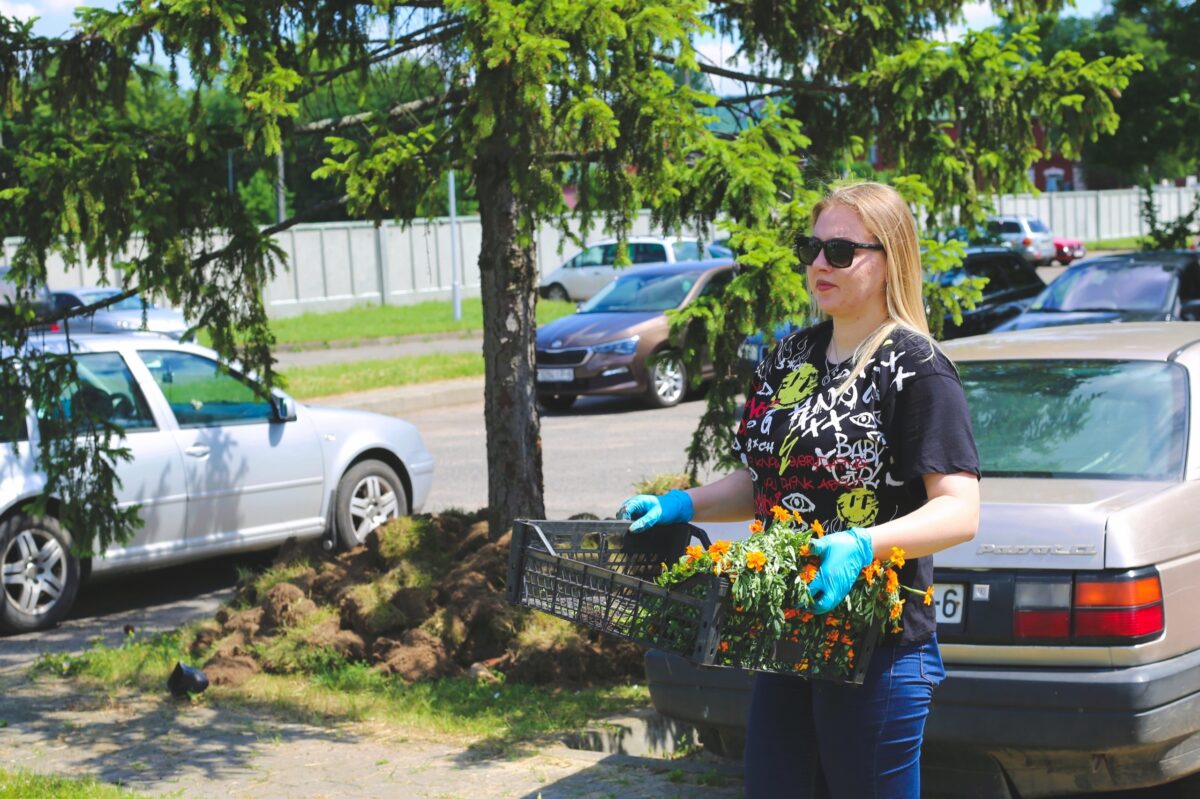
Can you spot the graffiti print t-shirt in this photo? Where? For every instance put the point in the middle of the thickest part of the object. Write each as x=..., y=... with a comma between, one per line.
x=856, y=460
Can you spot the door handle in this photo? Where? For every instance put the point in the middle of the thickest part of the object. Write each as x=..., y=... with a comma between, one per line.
x=198, y=451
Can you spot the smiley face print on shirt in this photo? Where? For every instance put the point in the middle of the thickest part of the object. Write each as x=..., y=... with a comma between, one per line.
x=858, y=507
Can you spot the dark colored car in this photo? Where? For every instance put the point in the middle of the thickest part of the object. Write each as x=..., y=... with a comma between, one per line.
x=1012, y=285
x=42, y=301
x=619, y=342
x=1134, y=287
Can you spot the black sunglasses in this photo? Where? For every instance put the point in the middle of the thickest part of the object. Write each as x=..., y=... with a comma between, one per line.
x=838, y=252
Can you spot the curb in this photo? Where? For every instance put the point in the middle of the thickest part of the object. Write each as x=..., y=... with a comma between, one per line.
x=356, y=343
x=402, y=400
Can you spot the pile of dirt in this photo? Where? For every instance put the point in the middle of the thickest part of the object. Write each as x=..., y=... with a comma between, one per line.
x=422, y=598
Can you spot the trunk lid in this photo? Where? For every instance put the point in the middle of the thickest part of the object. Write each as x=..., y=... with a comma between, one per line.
x=1043, y=523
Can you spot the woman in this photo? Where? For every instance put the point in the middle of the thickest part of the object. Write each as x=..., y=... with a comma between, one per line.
x=858, y=421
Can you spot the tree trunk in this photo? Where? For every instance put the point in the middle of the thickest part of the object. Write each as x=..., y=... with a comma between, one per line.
x=508, y=277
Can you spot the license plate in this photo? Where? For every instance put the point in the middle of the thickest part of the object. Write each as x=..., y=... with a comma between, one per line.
x=749, y=352
x=948, y=601
x=555, y=375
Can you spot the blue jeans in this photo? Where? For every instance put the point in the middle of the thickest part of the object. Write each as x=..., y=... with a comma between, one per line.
x=809, y=739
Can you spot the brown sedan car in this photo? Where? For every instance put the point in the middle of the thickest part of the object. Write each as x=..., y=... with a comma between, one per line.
x=619, y=342
x=1070, y=625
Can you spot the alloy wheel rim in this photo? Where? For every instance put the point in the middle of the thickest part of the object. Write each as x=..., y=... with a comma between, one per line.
x=34, y=572
x=668, y=380
x=372, y=503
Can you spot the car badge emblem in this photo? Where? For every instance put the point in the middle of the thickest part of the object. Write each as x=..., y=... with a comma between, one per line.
x=557, y=343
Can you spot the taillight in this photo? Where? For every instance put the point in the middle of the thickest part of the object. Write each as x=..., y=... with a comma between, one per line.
x=1042, y=608
x=54, y=328
x=1118, y=608
x=1027, y=241
x=1092, y=609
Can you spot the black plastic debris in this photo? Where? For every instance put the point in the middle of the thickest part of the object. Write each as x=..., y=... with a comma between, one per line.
x=186, y=680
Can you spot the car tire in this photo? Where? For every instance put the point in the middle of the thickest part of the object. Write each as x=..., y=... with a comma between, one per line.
x=666, y=379
x=557, y=402
x=557, y=292
x=39, y=576
x=368, y=495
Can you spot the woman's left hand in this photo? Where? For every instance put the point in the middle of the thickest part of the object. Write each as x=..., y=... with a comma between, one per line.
x=843, y=557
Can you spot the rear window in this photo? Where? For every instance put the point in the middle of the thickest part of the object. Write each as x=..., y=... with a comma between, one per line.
x=1078, y=419
x=1119, y=288
x=1038, y=226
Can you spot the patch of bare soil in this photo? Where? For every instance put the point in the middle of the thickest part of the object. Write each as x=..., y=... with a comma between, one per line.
x=422, y=598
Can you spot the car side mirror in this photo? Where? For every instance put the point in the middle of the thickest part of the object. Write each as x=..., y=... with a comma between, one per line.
x=284, y=408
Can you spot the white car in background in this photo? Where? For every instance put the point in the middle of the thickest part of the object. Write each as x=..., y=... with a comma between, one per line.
x=1027, y=235
x=582, y=276
x=124, y=316
x=219, y=466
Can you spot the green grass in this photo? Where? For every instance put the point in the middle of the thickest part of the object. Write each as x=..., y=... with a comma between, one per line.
x=1127, y=243
x=495, y=717
x=27, y=785
x=374, y=321
x=339, y=378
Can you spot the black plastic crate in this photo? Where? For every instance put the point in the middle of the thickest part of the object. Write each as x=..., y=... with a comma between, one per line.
x=596, y=574
x=599, y=575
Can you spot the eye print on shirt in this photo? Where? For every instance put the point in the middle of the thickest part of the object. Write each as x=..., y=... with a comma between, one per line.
x=858, y=507
x=797, y=386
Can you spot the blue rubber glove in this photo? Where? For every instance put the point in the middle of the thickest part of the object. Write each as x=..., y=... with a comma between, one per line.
x=647, y=510
x=843, y=557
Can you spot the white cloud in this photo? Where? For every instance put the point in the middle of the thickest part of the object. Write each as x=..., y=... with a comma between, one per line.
x=64, y=5
x=18, y=10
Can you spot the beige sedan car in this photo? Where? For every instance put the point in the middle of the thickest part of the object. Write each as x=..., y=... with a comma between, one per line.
x=1070, y=626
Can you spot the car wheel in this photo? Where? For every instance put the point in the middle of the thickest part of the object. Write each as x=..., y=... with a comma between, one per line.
x=368, y=496
x=557, y=402
x=40, y=577
x=557, y=292
x=666, y=379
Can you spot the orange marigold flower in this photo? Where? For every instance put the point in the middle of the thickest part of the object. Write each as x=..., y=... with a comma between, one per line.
x=831, y=637
x=790, y=613
x=803, y=551
x=808, y=573
x=694, y=552
x=756, y=527
x=832, y=622
x=850, y=656
x=868, y=574
x=806, y=617
x=898, y=557
x=781, y=514
x=817, y=528
x=847, y=640
x=723, y=646
x=893, y=580
x=738, y=608
x=802, y=664
x=929, y=595
x=756, y=561
x=897, y=609
x=718, y=548
x=796, y=515
x=827, y=653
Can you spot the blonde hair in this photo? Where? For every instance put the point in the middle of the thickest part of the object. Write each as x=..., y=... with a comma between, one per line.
x=887, y=217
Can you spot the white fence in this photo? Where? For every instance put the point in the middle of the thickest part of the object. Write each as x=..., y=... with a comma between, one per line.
x=335, y=266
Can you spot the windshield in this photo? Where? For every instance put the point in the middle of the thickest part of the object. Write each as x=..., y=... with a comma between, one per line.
x=1111, y=288
x=1078, y=419
x=641, y=293
x=133, y=303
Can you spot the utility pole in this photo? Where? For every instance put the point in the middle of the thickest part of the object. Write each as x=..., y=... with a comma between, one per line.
x=280, y=200
x=455, y=280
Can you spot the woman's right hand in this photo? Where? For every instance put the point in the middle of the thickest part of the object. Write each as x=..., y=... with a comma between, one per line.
x=647, y=510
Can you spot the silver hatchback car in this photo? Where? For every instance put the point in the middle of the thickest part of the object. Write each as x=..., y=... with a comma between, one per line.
x=217, y=468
